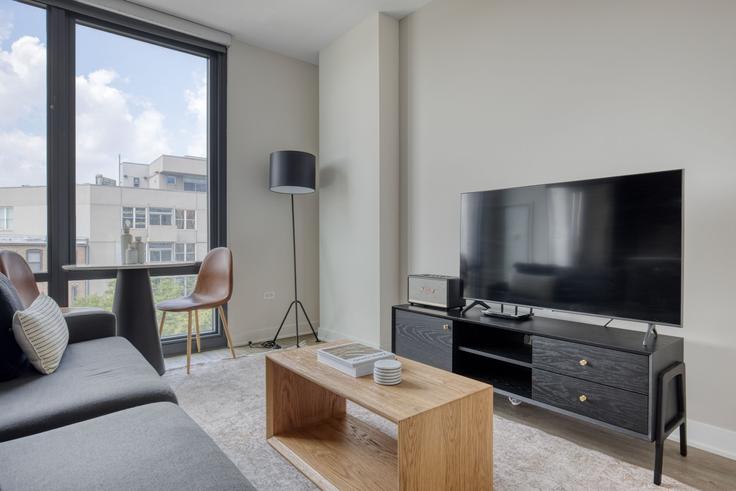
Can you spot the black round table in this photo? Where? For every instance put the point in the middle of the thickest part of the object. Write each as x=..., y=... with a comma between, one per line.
x=134, y=307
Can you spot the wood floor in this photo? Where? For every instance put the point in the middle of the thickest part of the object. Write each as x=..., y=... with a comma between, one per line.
x=700, y=469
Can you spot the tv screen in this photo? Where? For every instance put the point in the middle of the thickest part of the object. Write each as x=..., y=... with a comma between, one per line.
x=610, y=247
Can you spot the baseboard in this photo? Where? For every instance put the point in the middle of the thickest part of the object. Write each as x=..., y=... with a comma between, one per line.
x=331, y=335
x=710, y=438
x=289, y=330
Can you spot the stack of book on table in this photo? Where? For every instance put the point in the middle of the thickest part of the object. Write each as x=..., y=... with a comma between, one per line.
x=354, y=358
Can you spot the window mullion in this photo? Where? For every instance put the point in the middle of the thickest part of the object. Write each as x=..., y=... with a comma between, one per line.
x=60, y=149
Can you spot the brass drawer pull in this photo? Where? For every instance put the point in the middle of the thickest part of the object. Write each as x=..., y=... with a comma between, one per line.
x=445, y=327
x=583, y=398
x=583, y=362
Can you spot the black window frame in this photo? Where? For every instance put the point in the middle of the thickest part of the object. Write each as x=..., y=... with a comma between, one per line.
x=62, y=17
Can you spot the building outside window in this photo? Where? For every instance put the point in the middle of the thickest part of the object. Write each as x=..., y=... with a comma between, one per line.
x=160, y=216
x=185, y=219
x=6, y=217
x=136, y=182
x=134, y=217
x=160, y=252
x=184, y=252
x=171, y=180
x=34, y=259
x=193, y=183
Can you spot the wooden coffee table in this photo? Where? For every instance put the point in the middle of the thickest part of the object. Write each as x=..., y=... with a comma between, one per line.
x=445, y=438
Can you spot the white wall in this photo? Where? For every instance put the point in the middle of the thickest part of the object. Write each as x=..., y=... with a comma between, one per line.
x=358, y=209
x=272, y=105
x=497, y=94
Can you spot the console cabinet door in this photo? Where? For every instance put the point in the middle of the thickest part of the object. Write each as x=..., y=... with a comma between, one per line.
x=423, y=338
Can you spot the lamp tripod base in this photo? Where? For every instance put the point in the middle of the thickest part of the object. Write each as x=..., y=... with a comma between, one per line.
x=295, y=303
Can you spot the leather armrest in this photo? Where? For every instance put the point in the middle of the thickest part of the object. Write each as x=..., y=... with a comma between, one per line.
x=87, y=323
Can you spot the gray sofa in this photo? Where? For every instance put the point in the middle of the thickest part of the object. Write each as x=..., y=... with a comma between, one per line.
x=103, y=420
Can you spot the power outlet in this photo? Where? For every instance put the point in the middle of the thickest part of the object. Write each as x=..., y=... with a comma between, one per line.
x=269, y=295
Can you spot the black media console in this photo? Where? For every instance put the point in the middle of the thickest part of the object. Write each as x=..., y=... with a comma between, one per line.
x=602, y=375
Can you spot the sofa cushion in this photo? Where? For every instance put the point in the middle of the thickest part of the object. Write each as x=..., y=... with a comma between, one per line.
x=41, y=333
x=12, y=358
x=94, y=378
x=156, y=446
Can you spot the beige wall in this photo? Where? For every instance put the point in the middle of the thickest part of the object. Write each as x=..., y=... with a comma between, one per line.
x=502, y=93
x=272, y=105
x=358, y=209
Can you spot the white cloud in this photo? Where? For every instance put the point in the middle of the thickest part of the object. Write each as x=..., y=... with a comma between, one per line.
x=109, y=121
x=107, y=127
x=22, y=159
x=22, y=98
x=6, y=26
x=22, y=80
x=197, y=105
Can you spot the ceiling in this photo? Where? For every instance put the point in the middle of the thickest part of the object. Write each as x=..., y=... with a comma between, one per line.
x=296, y=28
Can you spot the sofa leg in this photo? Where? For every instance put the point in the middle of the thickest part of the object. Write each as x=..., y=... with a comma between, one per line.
x=189, y=341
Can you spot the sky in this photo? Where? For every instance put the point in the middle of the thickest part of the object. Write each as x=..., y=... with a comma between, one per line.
x=134, y=100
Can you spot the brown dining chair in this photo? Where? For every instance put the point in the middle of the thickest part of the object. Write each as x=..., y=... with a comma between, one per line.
x=20, y=275
x=213, y=289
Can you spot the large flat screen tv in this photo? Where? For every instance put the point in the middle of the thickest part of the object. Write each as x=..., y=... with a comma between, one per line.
x=609, y=247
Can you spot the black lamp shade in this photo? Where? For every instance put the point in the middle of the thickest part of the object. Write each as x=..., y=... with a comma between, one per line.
x=292, y=172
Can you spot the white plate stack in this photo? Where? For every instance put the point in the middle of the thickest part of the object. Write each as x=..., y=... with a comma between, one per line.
x=387, y=372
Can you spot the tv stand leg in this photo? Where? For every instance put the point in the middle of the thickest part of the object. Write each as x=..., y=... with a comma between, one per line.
x=658, y=456
x=651, y=333
x=475, y=302
x=514, y=401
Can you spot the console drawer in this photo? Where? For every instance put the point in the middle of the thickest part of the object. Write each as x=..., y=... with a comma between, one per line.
x=423, y=338
x=615, y=368
x=614, y=406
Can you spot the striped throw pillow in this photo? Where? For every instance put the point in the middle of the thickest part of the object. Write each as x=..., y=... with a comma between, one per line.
x=42, y=334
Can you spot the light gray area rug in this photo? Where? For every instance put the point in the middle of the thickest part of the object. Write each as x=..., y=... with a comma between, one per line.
x=227, y=399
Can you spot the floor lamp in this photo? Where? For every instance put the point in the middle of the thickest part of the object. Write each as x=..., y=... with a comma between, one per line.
x=292, y=172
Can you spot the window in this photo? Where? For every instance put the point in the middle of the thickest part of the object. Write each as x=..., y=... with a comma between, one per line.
x=160, y=252
x=185, y=252
x=185, y=219
x=168, y=287
x=134, y=217
x=114, y=115
x=159, y=216
x=23, y=215
x=6, y=217
x=33, y=258
x=171, y=180
x=194, y=183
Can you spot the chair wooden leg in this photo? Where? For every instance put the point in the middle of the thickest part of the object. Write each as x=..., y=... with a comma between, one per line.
x=161, y=328
x=196, y=324
x=226, y=329
x=189, y=341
